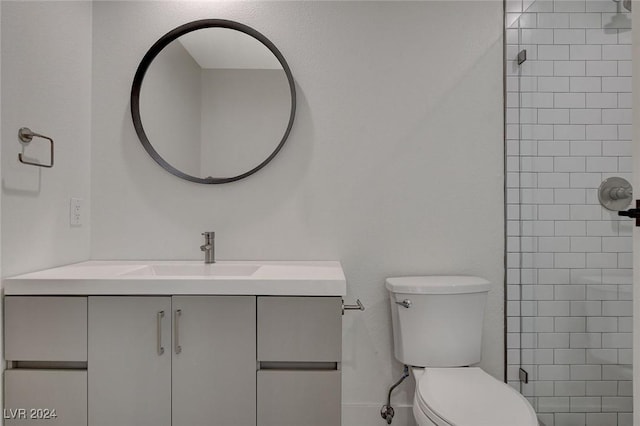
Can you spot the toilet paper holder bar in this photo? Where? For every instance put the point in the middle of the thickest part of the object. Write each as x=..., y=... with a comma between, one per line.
x=357, y=307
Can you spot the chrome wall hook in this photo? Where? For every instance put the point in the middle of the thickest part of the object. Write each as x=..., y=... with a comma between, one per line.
x=26, y=135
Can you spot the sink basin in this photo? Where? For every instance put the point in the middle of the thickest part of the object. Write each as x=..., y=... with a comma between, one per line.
x=201, y=270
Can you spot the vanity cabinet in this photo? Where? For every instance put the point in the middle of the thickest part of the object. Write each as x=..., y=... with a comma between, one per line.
x=299, y=329
x=182, y=361
x=45, y=328
x=206, y=360
x=299, y=354
x=45, y=346
x=299, y=397
x=214, y=370
x=45, y=397
x=129, y=379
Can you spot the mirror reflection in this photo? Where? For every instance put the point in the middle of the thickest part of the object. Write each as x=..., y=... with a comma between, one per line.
x=215, y=102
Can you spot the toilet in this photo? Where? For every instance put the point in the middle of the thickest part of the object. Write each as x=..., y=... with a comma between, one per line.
x=437, y=331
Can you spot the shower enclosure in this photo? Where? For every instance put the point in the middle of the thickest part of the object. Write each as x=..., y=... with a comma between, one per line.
x=569, y=260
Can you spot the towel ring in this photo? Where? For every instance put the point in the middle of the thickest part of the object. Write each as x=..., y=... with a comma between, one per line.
x=26, y=135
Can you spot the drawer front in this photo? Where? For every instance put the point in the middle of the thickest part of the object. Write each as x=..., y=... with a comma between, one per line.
x=295, y=398
x=36, y=391
x=305, y=329
x=45, y=328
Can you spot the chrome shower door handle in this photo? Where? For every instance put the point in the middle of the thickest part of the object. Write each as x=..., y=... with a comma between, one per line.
x=632, y=213
x=176, y=330
x=405, y=303
x=159, y=317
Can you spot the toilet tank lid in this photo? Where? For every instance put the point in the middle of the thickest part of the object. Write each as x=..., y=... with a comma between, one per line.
x=437, y=284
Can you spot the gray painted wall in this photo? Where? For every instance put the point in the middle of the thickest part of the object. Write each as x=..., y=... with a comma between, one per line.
x=46, y=85
x=394, y=165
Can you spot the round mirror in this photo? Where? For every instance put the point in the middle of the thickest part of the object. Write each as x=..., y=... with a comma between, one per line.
x=213, y=101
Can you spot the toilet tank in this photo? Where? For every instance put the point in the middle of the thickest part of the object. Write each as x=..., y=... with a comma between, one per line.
x=437, y=320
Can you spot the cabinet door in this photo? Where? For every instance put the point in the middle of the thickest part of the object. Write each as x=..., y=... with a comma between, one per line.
x=45, y=328
x=304, y=329
x=31, y=395
x=129, y=377
x=214, y=370
x=299, y=398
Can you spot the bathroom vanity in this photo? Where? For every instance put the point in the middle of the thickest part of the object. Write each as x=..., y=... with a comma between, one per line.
x=176, y=343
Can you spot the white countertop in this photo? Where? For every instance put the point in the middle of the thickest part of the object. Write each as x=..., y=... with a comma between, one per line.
x=114, y=277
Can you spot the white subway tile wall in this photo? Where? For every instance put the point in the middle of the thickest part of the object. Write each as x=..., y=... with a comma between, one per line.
x=568, y=125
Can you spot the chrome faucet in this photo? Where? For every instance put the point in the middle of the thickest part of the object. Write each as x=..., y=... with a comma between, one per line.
x=209, y=247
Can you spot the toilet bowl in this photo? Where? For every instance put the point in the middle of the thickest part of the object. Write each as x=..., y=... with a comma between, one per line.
x=437, y=329
x=467, y=396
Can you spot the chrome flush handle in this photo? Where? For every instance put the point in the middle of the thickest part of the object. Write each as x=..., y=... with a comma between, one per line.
x=405, y=303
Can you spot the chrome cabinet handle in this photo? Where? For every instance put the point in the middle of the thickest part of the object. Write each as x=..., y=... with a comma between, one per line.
x=176, y=330
x=406, y=303
x=159, y=330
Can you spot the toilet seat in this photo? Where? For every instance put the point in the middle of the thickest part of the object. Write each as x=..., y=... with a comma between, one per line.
x=470, y=397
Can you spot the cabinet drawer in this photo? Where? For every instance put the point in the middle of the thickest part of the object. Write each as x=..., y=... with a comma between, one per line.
x=295, y=398
x=62, y=390
x=300, y=329
x=45, y=328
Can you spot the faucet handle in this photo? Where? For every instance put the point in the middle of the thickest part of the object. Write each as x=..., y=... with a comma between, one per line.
x=208, y=247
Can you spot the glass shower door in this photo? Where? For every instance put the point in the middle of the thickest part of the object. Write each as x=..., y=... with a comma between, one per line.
x=569, y=260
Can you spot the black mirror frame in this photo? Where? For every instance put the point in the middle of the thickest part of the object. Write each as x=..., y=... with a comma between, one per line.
x=155, y=50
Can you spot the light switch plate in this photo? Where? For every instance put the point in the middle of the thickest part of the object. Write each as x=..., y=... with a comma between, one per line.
x=75, y=212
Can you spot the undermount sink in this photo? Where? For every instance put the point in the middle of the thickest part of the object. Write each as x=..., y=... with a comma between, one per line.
x=202, y=270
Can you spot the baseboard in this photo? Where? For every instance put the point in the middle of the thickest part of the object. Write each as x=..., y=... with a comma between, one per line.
x=369, y=415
